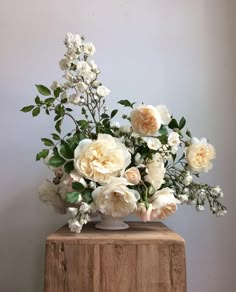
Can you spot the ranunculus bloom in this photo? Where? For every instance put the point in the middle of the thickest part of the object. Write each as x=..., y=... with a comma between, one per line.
x=115, y=198
x=101, y=159
x=155, y=171
x=133, y=175
x=145, y=120
x=199, y=155
x=163, y=204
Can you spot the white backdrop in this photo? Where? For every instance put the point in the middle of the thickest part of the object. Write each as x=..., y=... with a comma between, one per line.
x=180, y=53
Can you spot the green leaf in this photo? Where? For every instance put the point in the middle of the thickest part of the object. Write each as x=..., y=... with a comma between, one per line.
x=182, y=123
x=126, y=103
x=163, y=139
x=69, y=166
x=43, y=90
x=47, y=142
x=77, y=186
x=65, y=150
x=49, y=100
x=42, y=154
x=87, y=195
x=113, y=113
x=163, y=130
x=36, y=111
x=173, y=124
x=188, y=133
x=72, y=197
x=55, y=136
x=47, y=111
x=56, y=161
x=58, y=125
x=27, y=109
x=57, y=92
x=37, y=100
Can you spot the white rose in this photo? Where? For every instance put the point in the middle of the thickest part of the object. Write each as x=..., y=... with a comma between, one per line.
x=101, y=159
x=145, y=120
x=187, y=180
x=163, y=203
x=173, y=139
x=153, y=143
x=64, y=64
x=164, y=114
x=94, y=67
x=83, y=67
x=82, y=87
x=88, y=49
x=74, y=99
x=103, y=91
x=48, y=193
x=74, y=225
x=155, y=171
x=199, y=155
x=125, y=129
x=115, y=198
x=55, y=85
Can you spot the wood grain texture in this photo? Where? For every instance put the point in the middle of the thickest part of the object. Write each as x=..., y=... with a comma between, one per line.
x=148, y=257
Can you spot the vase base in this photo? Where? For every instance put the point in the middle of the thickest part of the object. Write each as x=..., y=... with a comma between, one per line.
x=111, y=223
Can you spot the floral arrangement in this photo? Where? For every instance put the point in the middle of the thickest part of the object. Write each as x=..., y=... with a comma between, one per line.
x=145, y=167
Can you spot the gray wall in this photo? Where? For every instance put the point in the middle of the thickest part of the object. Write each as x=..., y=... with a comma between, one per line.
x=180, y=53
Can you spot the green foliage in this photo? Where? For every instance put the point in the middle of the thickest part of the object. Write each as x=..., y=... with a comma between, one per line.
x=182, y=123
x=69, y=166
x=113, y=113
x=43, y=90
x=72, y=197
x=55, y=136
x=42, y=154
x=56, y=161
x=66, y=151
x=126, y=103
x=77, y=186
x=36, y=111
x=27, y=109
x=47, y=142
x=173, y=124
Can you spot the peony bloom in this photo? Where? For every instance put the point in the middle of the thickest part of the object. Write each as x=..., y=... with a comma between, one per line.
x=163, y=204
x=155, y=171
x=115, y=198
x=143, y=213
x=101, y=159
x=199, y=155
x=145, y=120
x=133, y=175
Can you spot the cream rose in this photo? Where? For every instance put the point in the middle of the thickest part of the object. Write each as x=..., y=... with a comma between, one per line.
x=163, y=204
x=155, y=171
x=145, y=120
x=115, y=198
x=133, y=175
x=153, y=143
x=199, y=155
x=101, y=159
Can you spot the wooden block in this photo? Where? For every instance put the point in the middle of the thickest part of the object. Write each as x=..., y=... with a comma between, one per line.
x=148, y=257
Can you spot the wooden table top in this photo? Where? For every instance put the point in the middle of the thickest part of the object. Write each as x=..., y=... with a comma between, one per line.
x=138, y=233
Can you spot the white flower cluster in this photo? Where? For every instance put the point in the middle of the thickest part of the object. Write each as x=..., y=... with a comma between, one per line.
x=80, y=73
